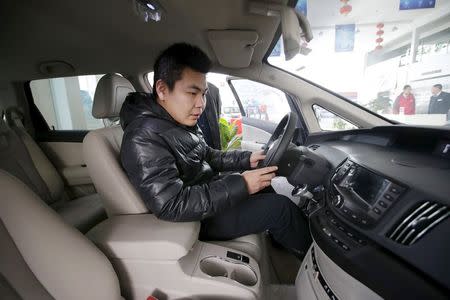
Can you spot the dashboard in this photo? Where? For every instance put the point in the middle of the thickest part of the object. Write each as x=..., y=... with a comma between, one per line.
x=382, y=210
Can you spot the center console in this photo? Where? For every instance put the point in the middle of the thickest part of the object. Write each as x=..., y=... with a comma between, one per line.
x=166, y=260
x=360, y=195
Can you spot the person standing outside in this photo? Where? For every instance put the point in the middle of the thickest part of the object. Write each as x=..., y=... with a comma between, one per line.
x=439, y=101
x=405, y=102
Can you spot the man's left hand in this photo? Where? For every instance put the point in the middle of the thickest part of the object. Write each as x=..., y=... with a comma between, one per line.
x=255, y=158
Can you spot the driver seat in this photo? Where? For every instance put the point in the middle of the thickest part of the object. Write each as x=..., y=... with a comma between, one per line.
x=101, y=149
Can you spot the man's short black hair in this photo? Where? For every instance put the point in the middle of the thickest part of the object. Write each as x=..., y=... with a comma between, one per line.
x=406, y=86
x=439, y=86
x=171, y=63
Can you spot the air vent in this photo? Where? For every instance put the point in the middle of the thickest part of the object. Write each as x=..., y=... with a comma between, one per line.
x=418, y=222
x=314, y=147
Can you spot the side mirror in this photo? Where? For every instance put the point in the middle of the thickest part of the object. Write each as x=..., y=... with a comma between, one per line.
x=295, y=27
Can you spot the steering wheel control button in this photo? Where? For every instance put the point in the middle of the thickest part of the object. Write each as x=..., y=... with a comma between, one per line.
x=376, y=210
x=382, y=204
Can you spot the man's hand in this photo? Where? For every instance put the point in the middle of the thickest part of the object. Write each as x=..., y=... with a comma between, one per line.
x=255, y=158
x=259, y=179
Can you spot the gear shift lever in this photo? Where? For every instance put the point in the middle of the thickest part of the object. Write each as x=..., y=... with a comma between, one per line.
x=302, y=191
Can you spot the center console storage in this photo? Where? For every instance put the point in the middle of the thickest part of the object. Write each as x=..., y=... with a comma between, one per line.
x=166, y=260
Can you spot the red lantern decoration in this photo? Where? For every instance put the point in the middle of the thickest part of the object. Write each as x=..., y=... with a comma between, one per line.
x=379, y=33
x=346, y=8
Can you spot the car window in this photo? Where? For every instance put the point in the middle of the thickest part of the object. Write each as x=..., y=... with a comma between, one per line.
x=261, y=101
x=385, y=56
x=66, y=103
x=330, y=121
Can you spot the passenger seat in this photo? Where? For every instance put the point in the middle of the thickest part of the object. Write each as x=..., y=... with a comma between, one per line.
x=41, y=257
x=22, y=157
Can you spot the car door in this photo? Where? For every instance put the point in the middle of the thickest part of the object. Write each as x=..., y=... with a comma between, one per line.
x=61, y=114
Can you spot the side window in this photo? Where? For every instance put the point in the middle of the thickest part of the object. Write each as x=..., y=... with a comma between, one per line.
x=66, y=103
x=261, y=101
x=330, y=121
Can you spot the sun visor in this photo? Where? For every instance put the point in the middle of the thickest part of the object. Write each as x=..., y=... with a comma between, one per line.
x=233, y=48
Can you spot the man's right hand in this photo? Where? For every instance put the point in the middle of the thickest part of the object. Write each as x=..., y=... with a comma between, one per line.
x=259, y=179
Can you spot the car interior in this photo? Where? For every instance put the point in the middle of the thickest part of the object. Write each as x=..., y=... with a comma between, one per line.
x=373, y=182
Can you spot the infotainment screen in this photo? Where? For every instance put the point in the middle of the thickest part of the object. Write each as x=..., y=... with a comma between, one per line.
x=368, y=185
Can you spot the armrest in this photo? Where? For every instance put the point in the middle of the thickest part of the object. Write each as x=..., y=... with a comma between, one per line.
x=144, y=237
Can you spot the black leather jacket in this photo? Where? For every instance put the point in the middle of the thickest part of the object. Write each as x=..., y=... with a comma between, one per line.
x=172, y=168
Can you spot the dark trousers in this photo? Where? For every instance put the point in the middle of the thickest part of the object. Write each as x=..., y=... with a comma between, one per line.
x=260, y=212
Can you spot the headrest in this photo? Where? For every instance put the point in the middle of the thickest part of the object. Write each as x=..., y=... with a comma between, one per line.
x=112, y=89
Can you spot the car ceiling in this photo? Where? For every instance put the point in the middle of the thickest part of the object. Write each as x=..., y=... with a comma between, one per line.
x=100, y=36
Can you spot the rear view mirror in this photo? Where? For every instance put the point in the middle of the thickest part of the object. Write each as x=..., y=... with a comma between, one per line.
x=296, y=32
x=295, y=27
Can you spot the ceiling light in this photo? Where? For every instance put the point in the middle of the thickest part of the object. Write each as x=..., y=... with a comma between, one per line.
x=148, y=10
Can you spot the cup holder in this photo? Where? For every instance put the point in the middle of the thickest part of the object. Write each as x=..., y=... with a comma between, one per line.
x=219, y=267
x=244, y=275
x=213, y=267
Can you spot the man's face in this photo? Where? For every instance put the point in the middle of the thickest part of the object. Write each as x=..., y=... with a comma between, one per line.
x=407, y=91
x=435, y=90
x=186, y=102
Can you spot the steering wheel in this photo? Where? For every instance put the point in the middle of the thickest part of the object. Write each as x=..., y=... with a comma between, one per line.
x=279, y=141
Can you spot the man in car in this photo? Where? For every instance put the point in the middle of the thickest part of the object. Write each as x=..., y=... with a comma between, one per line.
x=177, y=174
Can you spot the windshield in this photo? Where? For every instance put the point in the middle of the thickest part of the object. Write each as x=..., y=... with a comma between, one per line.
x=391, y=57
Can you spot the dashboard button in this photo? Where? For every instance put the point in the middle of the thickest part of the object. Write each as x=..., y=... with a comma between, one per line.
x=350, y=234
x=360, y=241
x=341, y=228
x=345, y=210
x=333, y=221
x=382, y=204
x=388, y=197
x=327, y=232
x=345, y=247
x=364, y=222
x=395, y=190
x=376, y=210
